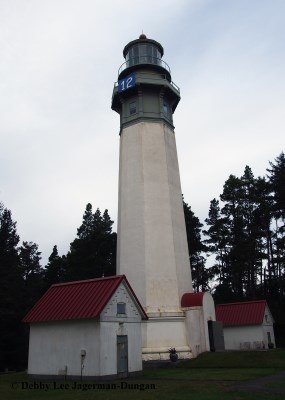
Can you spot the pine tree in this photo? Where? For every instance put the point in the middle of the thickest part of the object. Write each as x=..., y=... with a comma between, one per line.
x=200, y=274
x=251, y=234
x=31, y=271
x=30, y=258
x=218, y=242
x=55, y=270
x=86, y=229
x=276, y=178
x=233, y=212
x=235, y=236
x=11, y=289
x=93, y=253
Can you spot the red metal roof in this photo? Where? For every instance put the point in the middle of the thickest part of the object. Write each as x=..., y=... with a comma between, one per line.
x=245, y=313
x=77, y=300
x=192, y=299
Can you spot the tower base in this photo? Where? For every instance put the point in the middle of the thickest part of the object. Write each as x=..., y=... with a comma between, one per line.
x=160, y=333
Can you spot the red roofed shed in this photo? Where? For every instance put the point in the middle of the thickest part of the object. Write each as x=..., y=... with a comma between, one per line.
x=85, y=328
x=247, y=325
x=245, y=313
x=78, y=300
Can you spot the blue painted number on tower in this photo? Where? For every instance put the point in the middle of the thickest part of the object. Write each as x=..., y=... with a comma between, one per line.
x=127, y=83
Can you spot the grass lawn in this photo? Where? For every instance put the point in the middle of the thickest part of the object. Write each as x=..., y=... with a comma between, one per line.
x=277, y=384
x=212, y=376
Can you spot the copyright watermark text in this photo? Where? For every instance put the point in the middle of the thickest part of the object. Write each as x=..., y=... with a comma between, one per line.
x=83, y=386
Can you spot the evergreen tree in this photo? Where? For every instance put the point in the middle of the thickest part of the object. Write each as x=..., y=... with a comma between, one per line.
x=31, y=271
x=55, y=270
x=235, y=236
x=276, y=178
x=218, y=243
x=233, y=213
x=262, y=217
x=251, y=232
x=86, y=229
x=11, y=286
x=30, y=258
x=93, y=253
x=200, y=274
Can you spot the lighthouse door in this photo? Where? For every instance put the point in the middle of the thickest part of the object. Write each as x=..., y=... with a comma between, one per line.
x=122, y=355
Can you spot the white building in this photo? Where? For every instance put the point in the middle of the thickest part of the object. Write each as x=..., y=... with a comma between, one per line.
x=88, y=329
x=247, y=325
x=152, y=249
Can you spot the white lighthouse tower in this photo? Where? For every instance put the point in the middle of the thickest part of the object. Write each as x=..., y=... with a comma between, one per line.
x=152, y=248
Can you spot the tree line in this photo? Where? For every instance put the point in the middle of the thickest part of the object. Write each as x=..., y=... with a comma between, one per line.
x=238, y=254
x=244, y=239
x=245, y=233
x=23, y=280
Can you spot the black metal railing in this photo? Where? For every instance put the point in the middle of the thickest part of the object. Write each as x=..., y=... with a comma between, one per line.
x=144, y=60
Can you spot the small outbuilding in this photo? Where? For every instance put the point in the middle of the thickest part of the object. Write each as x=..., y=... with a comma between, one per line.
x=204, y=333
x=86, y=329
x=247, y=325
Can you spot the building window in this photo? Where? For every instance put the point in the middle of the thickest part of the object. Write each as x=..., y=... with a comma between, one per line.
x=133, y=107
x=121, y=308
x=166, y=109
x=266, y=318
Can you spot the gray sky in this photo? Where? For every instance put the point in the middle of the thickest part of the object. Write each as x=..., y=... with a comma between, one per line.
x=59, y=137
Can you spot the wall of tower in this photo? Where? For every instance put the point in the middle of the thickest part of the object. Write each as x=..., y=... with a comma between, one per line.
x=152, y=247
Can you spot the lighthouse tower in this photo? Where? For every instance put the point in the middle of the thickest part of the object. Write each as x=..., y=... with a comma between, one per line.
x=152, y=248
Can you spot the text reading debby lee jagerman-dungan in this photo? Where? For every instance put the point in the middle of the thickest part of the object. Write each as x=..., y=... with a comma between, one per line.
x=83, y=386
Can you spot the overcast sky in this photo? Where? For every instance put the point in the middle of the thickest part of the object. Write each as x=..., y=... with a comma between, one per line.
x=59, y=137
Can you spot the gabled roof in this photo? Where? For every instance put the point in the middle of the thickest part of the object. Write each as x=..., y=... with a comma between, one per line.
x=245, y=313
x=192, y=299
x=78, y=300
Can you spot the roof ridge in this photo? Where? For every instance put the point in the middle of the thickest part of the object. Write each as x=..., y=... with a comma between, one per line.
x=89, y=280
x=242, y=302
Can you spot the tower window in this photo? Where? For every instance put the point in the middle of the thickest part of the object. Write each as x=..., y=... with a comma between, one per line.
x=121, y=308
x=166, y=109
x=133, y=107
x=143, y=53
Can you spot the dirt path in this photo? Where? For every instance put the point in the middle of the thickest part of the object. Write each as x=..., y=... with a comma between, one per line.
x=259, y=384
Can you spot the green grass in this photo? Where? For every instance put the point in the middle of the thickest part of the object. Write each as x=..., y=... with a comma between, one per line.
x=238, y=359
x=277, y=384
x=212, y=376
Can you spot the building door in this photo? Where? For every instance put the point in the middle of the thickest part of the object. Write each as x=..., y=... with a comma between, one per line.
x=216, y=336
x=211, y=336
x=122, y=355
